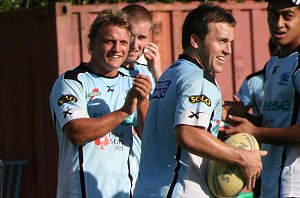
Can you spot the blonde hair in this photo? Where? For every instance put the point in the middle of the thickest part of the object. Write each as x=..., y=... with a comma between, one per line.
x=106, y=17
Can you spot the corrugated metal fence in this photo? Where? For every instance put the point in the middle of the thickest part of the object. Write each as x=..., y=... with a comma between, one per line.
x=39, y=44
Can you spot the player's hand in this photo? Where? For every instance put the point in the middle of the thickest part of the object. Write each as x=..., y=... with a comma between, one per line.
x=251, y=166
x=139, y=91
x=235, y=108
x=244, y=126
x=141, y=86
x=152, y=55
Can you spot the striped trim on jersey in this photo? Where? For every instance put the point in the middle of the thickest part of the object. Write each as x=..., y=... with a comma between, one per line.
x=260, y=72
x=297, y=96
x=81, y=172
x=293, y=120
x=174, y=181
x=82, y=68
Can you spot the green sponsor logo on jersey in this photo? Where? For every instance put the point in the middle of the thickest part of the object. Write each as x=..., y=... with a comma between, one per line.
x=276, y=105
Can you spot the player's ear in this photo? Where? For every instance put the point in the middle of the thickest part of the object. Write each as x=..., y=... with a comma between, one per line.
x=194, y=40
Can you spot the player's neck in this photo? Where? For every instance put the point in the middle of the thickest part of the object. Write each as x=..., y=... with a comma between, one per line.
x=102, y=71
x=128, y=65
x=288, y=49
x=192, y=54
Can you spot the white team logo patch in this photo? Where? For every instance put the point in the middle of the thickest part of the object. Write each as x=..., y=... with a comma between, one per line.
x=74, y=113
x=194, y=114
x=195, y=118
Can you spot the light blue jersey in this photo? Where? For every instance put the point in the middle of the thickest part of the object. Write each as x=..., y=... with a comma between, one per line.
x=184, y=94
x=251, y=92
x=139, y=67
x=135, y=152
x=281, y=167
x=98, y=168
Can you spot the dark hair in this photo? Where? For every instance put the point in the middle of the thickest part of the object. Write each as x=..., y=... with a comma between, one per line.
x=294, y=2
x=197, y=20
x=106, y=17
x=291, y=5
x=138, y=13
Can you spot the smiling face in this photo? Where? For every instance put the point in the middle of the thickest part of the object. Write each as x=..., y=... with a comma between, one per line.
x=141, y=32
x=110, y=50
x=213, y=50
x=284, y=24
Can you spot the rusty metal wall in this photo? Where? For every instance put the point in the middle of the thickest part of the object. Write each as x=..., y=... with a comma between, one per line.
x=39, y=44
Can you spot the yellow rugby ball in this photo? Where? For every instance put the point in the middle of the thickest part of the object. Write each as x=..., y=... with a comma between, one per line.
x=243, y=141
x=226, y=180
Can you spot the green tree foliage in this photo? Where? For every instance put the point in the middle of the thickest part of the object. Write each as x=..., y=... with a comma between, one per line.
x=6, y=5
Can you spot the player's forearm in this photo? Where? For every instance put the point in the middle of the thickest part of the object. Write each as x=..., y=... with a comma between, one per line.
x=142, y=108
x=254, y=119
x=156, y=74
x=84, y=130
x=202, y=143
x=279, y=136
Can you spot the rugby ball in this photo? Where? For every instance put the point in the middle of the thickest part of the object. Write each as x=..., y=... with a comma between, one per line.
x=227, y=180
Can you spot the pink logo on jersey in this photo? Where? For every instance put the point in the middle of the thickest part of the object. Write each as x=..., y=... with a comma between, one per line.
x=102, y=142
x=95, y=90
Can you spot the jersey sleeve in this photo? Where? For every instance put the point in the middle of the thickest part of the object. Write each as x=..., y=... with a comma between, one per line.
x=245, y=94
x=68, y=101
x=196, y=101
